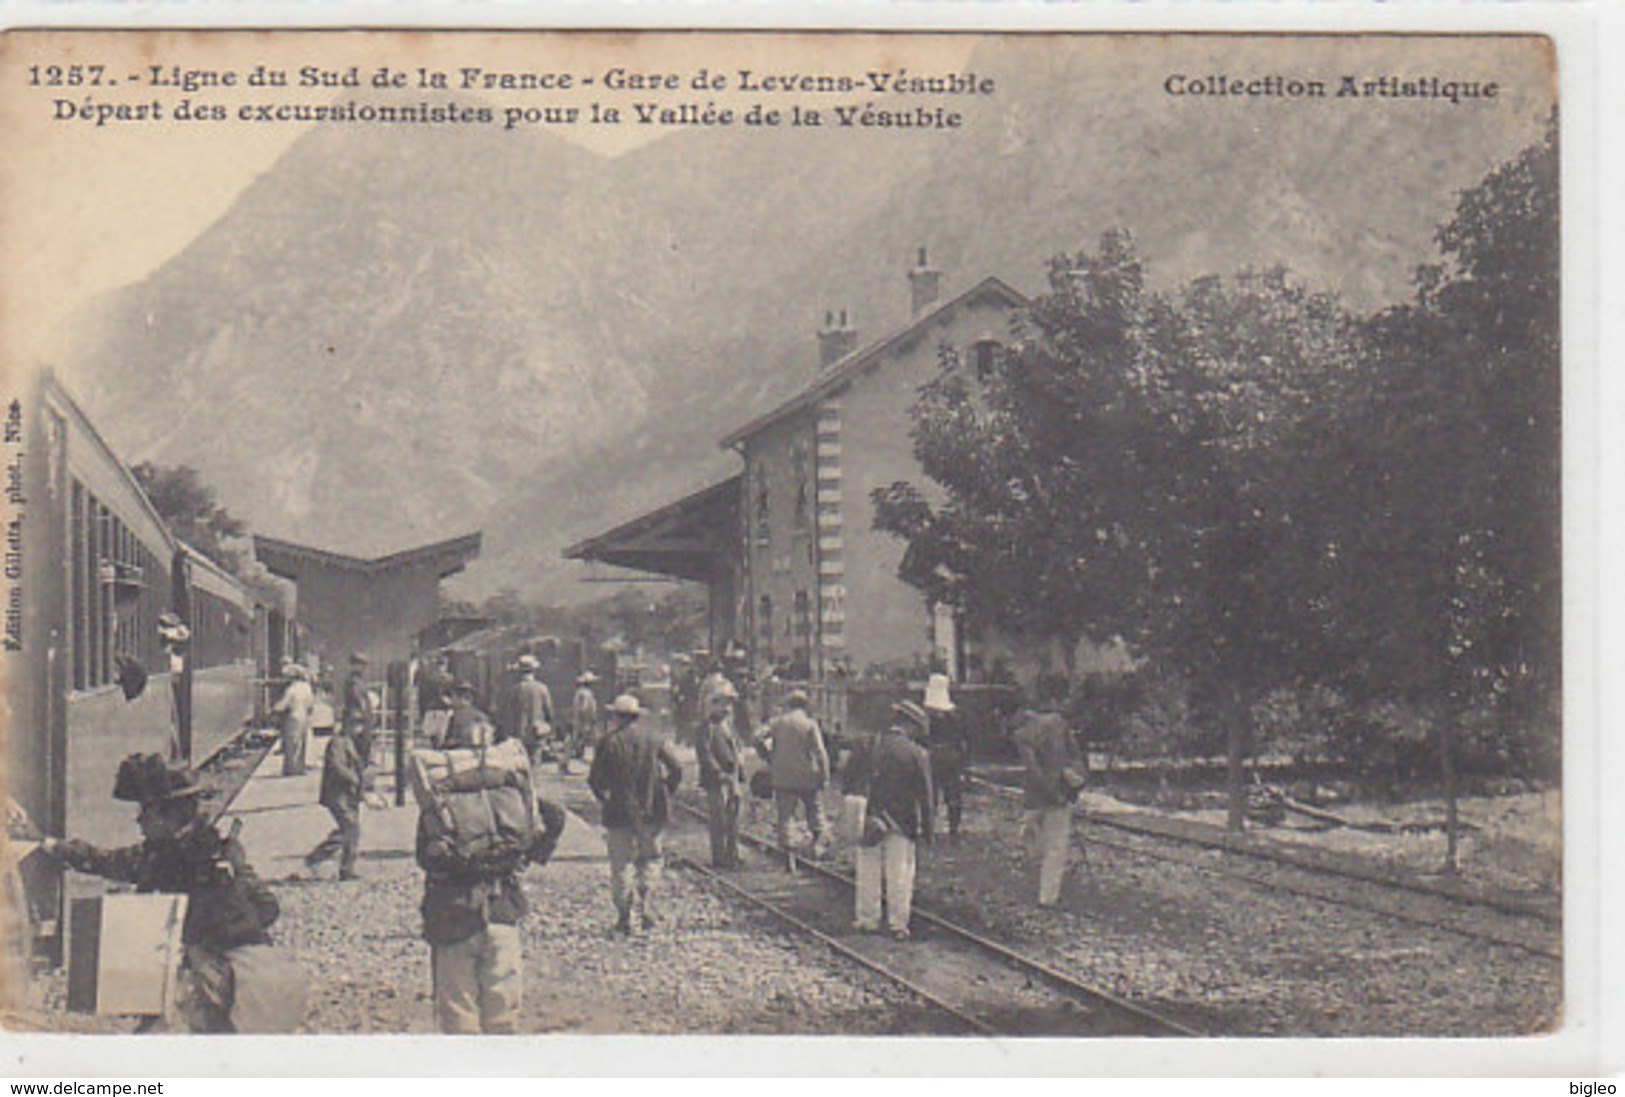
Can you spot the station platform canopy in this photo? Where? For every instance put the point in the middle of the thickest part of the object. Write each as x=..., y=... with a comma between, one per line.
x=686, y=539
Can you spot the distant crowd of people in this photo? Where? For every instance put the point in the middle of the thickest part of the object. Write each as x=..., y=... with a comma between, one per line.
x=890, y=786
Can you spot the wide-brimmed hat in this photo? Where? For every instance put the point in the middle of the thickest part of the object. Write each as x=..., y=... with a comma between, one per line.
x=148, y=779
x=172, y=629
x=936, y=694
x=528, y=662
x=626, y=705
x=358, y=659
x=293, y=670
x=912, y=712
x=586, y=678
x=460, y=687
x=797, y=698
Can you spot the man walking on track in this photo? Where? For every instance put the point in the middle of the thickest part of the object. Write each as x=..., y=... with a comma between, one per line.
x=720, y=756
x=894, y=773
x=634, y=775
x=794, y=746
x=583, y=715
x=1048, y=786
x=529, y=709
x=295, y=707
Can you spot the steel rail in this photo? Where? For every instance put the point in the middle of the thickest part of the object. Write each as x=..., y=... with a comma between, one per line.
x=218, y=761
x=1281, y=886
x=835, y=944
x=1057, y=979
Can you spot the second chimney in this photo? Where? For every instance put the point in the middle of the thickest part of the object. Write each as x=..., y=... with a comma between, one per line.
x=923, y=281
x=836, y=339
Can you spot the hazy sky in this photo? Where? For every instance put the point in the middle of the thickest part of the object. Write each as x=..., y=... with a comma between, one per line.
x=88, y=208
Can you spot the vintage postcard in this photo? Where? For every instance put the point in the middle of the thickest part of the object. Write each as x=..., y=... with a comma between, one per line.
x=963, y=535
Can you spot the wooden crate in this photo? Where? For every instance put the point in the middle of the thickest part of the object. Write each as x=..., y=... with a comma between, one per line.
x=124, y=952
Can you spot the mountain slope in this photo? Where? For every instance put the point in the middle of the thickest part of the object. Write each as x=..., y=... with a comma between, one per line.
x=393, y=337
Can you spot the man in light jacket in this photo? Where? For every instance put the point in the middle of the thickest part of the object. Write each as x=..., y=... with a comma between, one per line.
x=794, y=746
x=1048, y=752
x=297, y=703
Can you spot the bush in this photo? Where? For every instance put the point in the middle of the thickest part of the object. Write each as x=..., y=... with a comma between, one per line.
x=1299, y=723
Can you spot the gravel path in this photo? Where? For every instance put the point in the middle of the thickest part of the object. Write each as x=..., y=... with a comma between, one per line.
x=1225, y=956
x=708, y=968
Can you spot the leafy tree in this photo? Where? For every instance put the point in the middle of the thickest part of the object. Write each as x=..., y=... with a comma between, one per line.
x=1459, y=447
x=1259, y=492
x=1134, y=467
x=189, y=507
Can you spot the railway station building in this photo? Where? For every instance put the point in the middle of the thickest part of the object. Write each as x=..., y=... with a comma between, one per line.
x=376, y=606
x=802, y=580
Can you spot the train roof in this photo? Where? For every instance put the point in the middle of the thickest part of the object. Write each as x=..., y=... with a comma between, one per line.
x=210, y=576
x=102, y=472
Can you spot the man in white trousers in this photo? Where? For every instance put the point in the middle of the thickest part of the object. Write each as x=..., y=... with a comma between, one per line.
x=894, y=772
x=1051, y=762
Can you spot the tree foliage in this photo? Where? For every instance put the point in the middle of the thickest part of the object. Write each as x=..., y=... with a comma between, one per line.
x=1260, y=491
x=1120, y=472
x=190, y=509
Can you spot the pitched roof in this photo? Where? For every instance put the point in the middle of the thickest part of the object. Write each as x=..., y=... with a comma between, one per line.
x=842, y=370
x=276, y=554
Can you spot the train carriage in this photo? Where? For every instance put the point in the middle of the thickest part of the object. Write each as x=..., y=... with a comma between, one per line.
x=98, y=568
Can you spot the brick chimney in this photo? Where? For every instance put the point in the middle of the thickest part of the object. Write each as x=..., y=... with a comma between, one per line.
x=836, y=339
x=922, y=280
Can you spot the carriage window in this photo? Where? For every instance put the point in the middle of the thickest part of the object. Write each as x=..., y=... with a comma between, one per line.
x=79, y=612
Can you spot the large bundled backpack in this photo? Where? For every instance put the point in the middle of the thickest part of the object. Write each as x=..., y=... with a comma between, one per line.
x=480, y=802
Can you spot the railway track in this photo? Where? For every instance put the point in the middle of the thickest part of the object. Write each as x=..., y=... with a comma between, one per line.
x=1507, y=925
x=226, y=769
x=986, y=986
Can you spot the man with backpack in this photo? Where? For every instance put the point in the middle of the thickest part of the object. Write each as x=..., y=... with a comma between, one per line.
x=634, y=775
x=1052, y=776
x=472, y=906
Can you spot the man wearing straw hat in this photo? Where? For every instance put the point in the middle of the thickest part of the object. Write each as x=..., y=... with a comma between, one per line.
x=529, y=711
x=583, y=714
x=295, y=707
x=634, y=775
x=228, y=908
x=722, y=771
x=894, y=773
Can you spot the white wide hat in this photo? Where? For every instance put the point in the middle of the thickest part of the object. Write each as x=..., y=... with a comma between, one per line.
x=626, y=705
